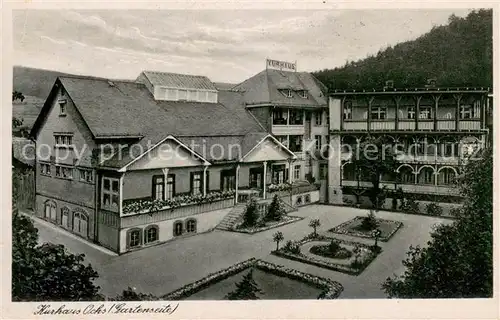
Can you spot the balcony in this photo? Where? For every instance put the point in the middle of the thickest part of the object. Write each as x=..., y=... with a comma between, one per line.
x=283, y=130
x=426, y=124
x=446, y=125
x=356, y=125
x=382, y=125
x=408, y=188
x=469, y=125
x=406, y=125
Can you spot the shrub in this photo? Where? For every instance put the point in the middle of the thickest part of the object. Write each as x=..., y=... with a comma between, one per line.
x=315, y=224
x=251, y=215
x=275, y=210
x=334, y=246
x=409, y=205
x=292, y=247
x=455, y=212
x=433, y=209
x=369, y=222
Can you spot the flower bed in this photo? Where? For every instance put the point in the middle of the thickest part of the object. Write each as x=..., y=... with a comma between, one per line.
x=366, y=253
x=269, y=225
x=387, y=227
x=144, y=206
x=330, y=289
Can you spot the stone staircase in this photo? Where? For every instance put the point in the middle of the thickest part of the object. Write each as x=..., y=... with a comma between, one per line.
x=232, y=217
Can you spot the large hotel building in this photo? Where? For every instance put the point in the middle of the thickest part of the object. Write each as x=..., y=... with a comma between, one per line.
x=177, y=172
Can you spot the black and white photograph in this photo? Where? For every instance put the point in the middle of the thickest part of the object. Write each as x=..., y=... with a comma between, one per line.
x=163, y=156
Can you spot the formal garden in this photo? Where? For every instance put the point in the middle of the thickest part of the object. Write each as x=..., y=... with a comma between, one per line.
x=255, y=279
x=259, y=217
x=368, y=227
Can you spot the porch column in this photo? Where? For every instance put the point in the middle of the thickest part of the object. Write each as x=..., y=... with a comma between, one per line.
x=264, y=179
x=165, y=175
x=290, y=171
x=205, y=180
x=237, y=178
x=458, y=99
x=120, y=200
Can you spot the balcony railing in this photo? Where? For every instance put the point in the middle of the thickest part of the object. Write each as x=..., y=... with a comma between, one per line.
x=382, y=125
x=426, y=125
x=409, y=188
x=406, y=125
x=356, y=125
x=288, y=129
x=469, y=125
x=446, y=124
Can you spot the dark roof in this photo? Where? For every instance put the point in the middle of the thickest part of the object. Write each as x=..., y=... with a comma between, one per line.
x=264, y=88
x=224, y=85
x=127, y=108
x=175, y=80
x=23, y=150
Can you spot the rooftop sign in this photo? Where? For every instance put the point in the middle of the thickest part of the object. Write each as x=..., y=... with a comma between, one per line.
x=281, y=65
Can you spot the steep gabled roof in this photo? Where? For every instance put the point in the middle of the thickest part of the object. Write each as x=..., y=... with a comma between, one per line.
x=128, y=109
x=264, y=88
x=175, y=80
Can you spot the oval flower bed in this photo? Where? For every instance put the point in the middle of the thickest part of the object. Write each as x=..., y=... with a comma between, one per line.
x=366, y=254
x=330, y=289
x=352, y=228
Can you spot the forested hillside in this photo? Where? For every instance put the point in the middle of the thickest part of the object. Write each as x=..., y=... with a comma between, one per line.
x=458, y=54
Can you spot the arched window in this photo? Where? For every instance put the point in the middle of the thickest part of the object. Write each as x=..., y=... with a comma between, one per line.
x=446, y=176
x=134, y=238
x=426, y=176
x=406, y=175
x=65, y=214
x=191, y=225
x=50, y=210
x=151, y=234
x=298, y=201
x=80, y=223
x=349, y=172
x=178, y=228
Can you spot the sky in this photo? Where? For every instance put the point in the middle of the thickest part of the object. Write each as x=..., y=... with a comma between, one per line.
x=225, y=45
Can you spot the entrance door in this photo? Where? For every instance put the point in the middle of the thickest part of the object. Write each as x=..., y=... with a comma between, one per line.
x=256, y=178
x=279, y=174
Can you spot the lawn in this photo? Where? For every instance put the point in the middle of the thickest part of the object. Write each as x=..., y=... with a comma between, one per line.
x=354, y=227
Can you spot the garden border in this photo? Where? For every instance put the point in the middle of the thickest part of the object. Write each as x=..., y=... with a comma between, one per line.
x=341, y=229
x=328, y=265
x=330, y=289
x=292, y=219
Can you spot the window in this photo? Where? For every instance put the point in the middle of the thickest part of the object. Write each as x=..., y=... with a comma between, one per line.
x=65, y=217
x=196, y=183
x=65, y=172
x=406, y=175
x=303, y=94
x=178, y=228
x=279, y=174
x=425, y=113
x=191, y=225
x=426, y=176
x=446, y=176
x=134, y=238
x=80, y=223
x=227, y=180
x=62, y=108
x=170, y=186
x=151, y=234
x=212, y=97
x=158, y=185
x=110, y=193
x=296, y=117
x=287, y=93
x=318, y=115
x=182, y=94
x=348, y=110
x=296, y=172
x=50, y=210
x=86, y=175
x=379, y=113
x=295, y=143
x=411, y=113
x=256, y=179
x=45, y=169
x=318, y=142
x=323, y=171
x=280, y=116
x=63, y=140
x=192, y=95
x=466, y=112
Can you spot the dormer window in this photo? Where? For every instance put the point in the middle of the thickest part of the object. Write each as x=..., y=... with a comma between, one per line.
x=303, y=94
x=287, y=93
x=62, y=108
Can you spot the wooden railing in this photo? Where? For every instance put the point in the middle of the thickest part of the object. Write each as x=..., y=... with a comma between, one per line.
x=409, y=125
x=383, y=125
x=355, y=125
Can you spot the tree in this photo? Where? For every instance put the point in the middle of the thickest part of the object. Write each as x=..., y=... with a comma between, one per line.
x=15, y=121
x=374, y=158
x=246, y=289
x=458, y=261
x=315, y=223
x=130, y=294
x=278, y=237
x=275, y=211
x=16, y=95
x=48, y=271
x=251, y=215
